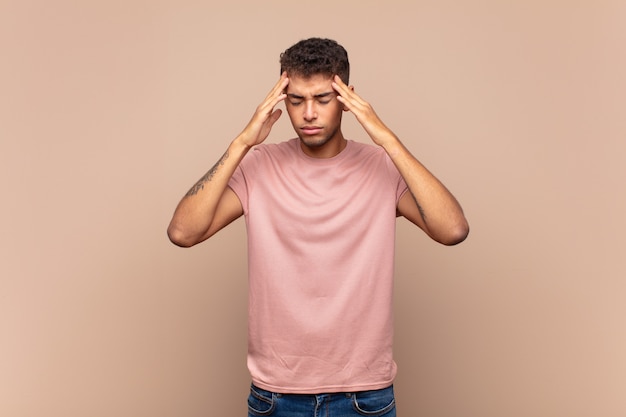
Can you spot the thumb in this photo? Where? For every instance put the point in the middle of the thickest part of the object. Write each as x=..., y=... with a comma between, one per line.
x=275, y=116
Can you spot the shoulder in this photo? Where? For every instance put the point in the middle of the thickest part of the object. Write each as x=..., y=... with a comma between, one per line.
x=266, y=152
x=366, y=151
x=373, y=158
x=288, y=146
x=274, y=150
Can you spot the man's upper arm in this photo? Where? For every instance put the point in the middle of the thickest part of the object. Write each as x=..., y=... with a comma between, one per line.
x=228, y=209
x=408, y=208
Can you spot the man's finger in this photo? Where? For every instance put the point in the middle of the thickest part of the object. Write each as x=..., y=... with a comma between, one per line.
x=275, y=116
x=280, y=85
x=346, y=92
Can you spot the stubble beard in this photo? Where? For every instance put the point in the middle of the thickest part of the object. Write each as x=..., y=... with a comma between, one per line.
x=315, y=142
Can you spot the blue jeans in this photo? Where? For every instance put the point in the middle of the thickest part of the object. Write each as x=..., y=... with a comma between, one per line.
x=376, y=403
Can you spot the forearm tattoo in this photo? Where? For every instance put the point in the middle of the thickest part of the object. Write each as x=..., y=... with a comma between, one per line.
x=207, y=177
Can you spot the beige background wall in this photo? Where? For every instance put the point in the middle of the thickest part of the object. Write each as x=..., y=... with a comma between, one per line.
x=110, y=111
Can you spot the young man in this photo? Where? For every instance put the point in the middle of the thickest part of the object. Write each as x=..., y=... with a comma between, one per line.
x=320, y=213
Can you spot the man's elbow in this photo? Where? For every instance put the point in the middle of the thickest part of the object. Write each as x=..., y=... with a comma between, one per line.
x=179, y=238
x=456, y=234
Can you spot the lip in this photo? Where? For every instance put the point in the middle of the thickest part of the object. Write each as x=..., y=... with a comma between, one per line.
x=311, y=130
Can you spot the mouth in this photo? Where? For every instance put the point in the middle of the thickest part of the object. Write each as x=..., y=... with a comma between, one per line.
x=310, y=130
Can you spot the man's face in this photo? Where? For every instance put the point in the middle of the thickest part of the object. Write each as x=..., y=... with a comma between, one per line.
x=314, y=110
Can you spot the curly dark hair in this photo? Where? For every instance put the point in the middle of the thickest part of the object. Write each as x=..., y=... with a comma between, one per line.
x=316, y=56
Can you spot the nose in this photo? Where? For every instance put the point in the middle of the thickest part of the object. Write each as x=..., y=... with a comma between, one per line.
x=310, y=113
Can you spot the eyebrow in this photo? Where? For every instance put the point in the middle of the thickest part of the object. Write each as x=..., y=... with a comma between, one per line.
x=320, y=95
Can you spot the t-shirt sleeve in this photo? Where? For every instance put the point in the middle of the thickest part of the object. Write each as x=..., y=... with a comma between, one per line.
x=401, y=189
x=239, y=184
x=396, y=178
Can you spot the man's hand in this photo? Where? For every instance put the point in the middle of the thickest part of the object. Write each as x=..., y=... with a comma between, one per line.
x=265, y=116
x=363, y=112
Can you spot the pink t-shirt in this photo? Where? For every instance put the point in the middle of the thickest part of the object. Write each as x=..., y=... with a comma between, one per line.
x=321, y=236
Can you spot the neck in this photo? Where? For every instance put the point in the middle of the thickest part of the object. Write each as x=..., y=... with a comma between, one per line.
x=328, y=149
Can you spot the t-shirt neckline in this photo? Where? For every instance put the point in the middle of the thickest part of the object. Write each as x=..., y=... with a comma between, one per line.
x=341, y=155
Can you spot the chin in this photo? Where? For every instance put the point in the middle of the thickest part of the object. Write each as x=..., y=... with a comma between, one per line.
x=314, y=142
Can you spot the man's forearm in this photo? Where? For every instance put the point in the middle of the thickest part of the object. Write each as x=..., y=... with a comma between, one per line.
x=196, y=210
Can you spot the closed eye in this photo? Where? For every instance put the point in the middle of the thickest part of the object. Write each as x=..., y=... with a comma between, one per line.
x=325, y=98
x=322, y=98
x=295, y=99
